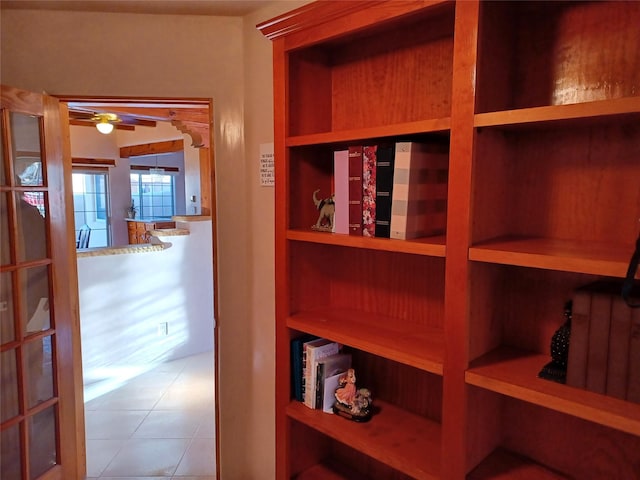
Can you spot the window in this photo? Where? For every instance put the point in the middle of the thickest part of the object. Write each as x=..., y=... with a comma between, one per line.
x=91, y=206
x=153, y=194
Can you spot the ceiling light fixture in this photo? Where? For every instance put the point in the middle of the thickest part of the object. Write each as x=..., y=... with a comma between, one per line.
x=156, y=172
x=104, y=127
x=105, y=122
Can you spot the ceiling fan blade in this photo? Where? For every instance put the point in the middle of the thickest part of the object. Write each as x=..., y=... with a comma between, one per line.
x=122, y=119
x=81, y=114
x=133, y=120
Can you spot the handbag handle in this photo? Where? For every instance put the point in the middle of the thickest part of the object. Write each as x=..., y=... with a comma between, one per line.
x=627, y=285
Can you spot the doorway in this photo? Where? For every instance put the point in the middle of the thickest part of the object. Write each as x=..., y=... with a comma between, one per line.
x=156, y=375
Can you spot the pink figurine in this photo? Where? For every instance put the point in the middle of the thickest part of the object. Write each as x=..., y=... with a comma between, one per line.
x=346, y=392
x=351, y=402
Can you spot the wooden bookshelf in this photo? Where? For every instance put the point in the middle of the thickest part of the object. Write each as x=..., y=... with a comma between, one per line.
x=591, y=112
x=326, y=472
x=409, y=443
x=391, y=339
x=537, y=105
x=434, y=125
x=513, y=373
x=503, y=465
x=556, y=254
x=430, y=246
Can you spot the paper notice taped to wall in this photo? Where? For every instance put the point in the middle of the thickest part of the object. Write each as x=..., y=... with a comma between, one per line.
x=267, y=175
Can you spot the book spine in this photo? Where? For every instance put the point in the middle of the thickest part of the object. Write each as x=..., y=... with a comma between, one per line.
x=341, y=191
x=355, y=190
x=633, y=379
x=296, y=368
x=598, y=350
x=400, y=193
x=428, y=184
x=579, y=341
x=330, y=386
x=303, y=376
x=420, y=188
x=619, y=334
x=314, y=354
x=319, y=385
x=369, y=159
x=384, y=189
x=297, y=364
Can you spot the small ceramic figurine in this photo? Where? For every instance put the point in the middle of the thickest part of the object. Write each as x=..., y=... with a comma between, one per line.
x=556, y=369
x=352, y=403
x=327, y=209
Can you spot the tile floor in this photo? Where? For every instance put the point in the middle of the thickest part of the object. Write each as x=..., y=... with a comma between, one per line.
x=157, y=426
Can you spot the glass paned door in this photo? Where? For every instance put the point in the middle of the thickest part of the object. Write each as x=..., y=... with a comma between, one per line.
x=90, y=207
x=31, y=410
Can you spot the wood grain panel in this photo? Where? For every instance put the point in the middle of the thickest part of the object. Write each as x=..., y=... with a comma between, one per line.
x=406, y=288
x=560, y=53
x=152, y=148
x=404, y=441
x=505, y=465
x=527, y=304
x=513, y=373
x=596, y=258
x=17, y=100
x=574, y=183
x=309, y=82
x=401, y=385
x=570, y=445
x=422, y=348
x=433, y=246
x=386, y=79
x=312, y=169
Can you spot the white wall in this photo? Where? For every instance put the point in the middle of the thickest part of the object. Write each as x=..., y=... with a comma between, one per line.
x=161, y=56
x=124, y=297
x=225, y=59
x=254, y=366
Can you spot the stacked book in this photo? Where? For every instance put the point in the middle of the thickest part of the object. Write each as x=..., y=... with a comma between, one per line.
x=396, y=190
x=317, y=365
x=604, y=347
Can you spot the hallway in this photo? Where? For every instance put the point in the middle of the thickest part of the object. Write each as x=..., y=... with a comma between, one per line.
x=157, y=426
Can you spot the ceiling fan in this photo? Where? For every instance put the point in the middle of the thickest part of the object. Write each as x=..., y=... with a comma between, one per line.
x=106, y=121
x=192, y=119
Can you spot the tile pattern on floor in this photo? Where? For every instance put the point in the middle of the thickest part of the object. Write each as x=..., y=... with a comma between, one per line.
x=157, y=426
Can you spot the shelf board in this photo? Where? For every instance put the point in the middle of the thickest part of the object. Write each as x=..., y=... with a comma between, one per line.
x=553, y=254
x=406, y=442
x=514, y=373
x=588, y=112
x=504, y=465
x=328, y=471
x=420, y=349
x=431, y=246
x=435, y=125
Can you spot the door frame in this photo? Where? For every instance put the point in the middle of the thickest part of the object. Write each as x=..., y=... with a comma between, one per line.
x=63, y=287
x=207, y=207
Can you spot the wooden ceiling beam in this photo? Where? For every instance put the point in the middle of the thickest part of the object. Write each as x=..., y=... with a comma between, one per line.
x=103, y=162
x=199, y=133
x=164, y=114
x=152, y=148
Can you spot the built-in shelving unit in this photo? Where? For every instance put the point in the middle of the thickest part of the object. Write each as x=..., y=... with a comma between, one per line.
x=538, y=105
